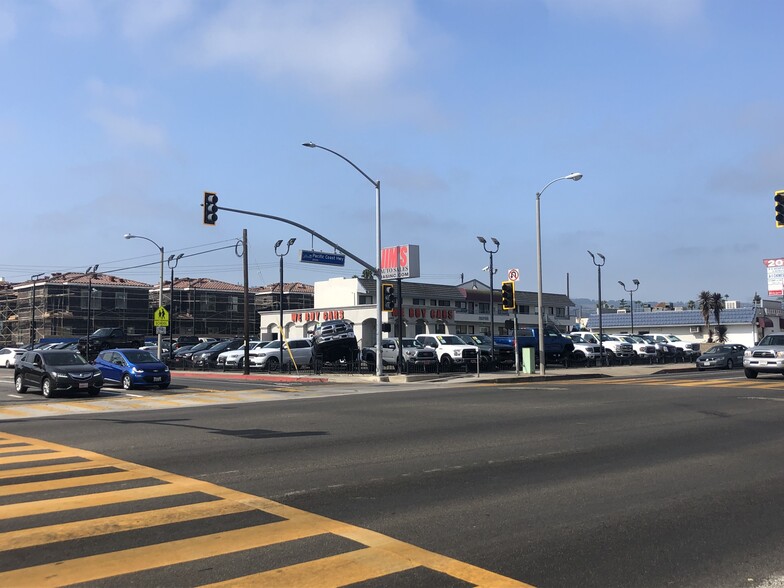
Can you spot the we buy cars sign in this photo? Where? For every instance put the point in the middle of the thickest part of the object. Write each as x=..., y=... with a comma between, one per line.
x=775, y=276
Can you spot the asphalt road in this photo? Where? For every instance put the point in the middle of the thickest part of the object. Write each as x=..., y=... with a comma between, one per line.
x=640, y=482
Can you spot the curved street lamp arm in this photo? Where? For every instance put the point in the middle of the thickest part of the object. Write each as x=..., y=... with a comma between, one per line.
x=344, y=158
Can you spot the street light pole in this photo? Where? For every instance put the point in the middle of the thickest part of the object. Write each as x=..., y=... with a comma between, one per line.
x=160, y=286
x=601, y=333
x=172, y=263
x=377, y=185
x=631, y=298
x=90, y=275
x=483, y=241
x=573, y=176
x=280, y=326
x=32, y=311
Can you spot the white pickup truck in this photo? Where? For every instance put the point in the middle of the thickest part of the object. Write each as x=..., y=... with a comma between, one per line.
x=613, y=346
x=450, y=349
x=689, y=350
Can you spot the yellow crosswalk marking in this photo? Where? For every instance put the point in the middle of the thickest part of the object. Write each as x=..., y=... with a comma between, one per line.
x=115, y=524
x=379, y=556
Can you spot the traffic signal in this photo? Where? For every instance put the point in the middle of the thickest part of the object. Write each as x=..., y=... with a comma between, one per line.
x=389, y=298
x=210, y=208
x=779, y=200
x=507, y=295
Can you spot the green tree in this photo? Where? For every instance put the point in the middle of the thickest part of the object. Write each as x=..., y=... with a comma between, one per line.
x=691, y=305
x=704, y=303
x=367, y=274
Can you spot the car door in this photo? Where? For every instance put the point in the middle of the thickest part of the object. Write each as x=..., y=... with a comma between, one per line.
x=112, y=366
x=37, y=371
x=303, y=352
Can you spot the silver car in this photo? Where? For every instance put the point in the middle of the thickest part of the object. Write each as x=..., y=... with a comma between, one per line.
x=767, y=356
x=300, y=351
x=725, y=356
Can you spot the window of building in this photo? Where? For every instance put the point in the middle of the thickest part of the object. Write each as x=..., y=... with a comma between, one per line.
x=441, y=328
x=525, y=309
x=418, y=302
x=365, y=299
x=484, y=307
x=444, y=303
x=208, y=303
x=121, y=300
x=550, y=310
x=461, y=329
x=234, y=304
x=560, y=311
x=95, y=302
x=433, y=302
x=461, y=305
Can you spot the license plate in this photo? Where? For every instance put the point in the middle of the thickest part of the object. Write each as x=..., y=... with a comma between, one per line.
x=82, y=385
x=157, y=379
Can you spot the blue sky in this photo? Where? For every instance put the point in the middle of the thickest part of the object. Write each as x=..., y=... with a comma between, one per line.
x=116, y=116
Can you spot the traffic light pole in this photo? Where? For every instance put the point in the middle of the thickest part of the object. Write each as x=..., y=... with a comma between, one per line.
x=400, y=325
x=516, y=345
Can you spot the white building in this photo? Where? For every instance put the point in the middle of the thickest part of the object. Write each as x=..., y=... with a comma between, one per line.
x=426, y=308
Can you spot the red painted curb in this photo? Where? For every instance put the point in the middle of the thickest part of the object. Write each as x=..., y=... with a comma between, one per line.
x=250, y=377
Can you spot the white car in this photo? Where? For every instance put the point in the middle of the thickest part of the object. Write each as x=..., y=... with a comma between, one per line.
x=235, y=358
x=8, y=356
x=451, y=350
x=268, y=356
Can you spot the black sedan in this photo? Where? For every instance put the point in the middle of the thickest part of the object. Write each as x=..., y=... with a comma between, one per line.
x=56, y=370
x=209, y=357
x=722, y=356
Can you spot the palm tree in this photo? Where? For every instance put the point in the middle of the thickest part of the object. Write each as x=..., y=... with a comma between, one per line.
x=721, y=333
x=717, y=303
x=704, y=302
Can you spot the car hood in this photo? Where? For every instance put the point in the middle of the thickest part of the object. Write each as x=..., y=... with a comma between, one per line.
x=73, y=369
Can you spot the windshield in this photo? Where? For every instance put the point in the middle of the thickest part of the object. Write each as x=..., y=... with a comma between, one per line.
x=104, y=332
x=673, y=338
x=412, y=343
x=717, y=349
x=55, y=359
x=139, y=356
x=449, y=340
x=772, y=340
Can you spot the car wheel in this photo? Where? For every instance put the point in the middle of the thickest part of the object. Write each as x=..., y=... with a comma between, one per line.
x=273, y=364
x=94, y=391
x=730, y=365
x=47, y=389
x=7, y=364
x=127, y=384
x=20, y=387
x=241, y=363
x=446, y=362
x=751, y=374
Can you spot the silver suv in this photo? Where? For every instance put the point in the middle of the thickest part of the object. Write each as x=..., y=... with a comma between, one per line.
x=767, y=356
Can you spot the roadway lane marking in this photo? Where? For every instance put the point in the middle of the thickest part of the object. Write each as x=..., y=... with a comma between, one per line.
x=378, y=555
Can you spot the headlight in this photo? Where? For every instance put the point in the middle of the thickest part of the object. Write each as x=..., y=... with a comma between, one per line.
x=747, y=353
x=136, y=370
x=57, y=375
x=458, y=352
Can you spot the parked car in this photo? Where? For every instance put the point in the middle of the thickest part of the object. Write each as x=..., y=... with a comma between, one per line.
x=767, y=356
x=56, y=370
x=416, y=356
x=725, y=356
x=235, y=358
x=268, y=357
x=9, y=355
x=132, y=367
x=208, y=358
x=185, y=340
x=182, y=357
x=584, y=350
x=689, y=351
x=642, y=349
x=334, y=340
x=450, y=349
x=504, y=352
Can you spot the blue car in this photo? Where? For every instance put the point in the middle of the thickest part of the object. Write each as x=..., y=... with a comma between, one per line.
x=132, y=367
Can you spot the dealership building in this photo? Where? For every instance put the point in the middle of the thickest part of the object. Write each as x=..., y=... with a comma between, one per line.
x=426, y=308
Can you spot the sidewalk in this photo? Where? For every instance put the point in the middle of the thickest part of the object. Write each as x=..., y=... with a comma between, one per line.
x=552, y=374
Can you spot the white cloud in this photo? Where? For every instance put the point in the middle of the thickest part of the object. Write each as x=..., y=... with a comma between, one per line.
x=668, y=14
x=129, y=130
x=143, y=18
x=117, y=96
x=7, y=25
x=338, y=47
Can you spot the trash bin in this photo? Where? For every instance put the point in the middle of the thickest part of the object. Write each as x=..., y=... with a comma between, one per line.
x=528, y=360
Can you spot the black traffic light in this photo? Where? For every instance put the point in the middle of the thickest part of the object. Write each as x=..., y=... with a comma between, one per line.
x=507, y=295
x=388, y=296
x=210, y=208
x=778, y=198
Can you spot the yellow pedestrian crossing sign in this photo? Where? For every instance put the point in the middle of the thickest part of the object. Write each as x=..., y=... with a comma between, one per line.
x=161, y=317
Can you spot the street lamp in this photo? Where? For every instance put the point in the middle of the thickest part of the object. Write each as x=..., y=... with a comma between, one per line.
x=90, y=275
x=483, y=241
x=281, y=256
x=601, y=333
x=377, y=185
x=573, y=176
x=631, y=297
x=32, y=311
x=160, y=286
x=172, y=263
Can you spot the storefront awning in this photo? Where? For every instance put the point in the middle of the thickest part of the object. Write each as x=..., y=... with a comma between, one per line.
x=763, y=321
